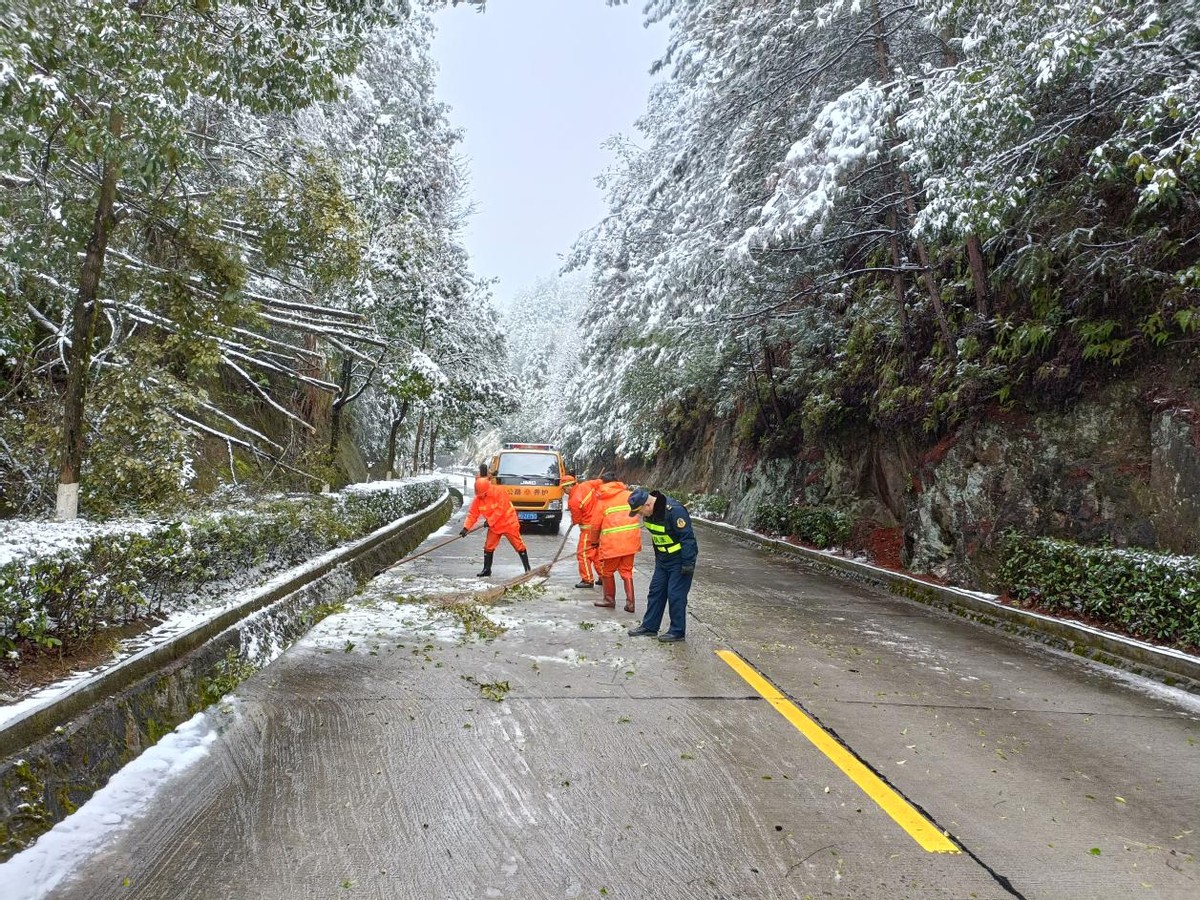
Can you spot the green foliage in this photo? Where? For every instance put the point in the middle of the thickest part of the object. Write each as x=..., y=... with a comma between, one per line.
x=1148, y=595
x=475, y=621
x=230, y=671
x=822, y=526
x=708, y=506
x=306, y=216
x=124, y=577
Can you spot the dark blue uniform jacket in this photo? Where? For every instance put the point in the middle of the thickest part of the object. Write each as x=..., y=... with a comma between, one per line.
x=678, y=523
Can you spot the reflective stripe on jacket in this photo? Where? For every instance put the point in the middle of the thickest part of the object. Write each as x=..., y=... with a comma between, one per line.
x=671, y=531
x=578, y=500
x=620, y=533
x=662, y=541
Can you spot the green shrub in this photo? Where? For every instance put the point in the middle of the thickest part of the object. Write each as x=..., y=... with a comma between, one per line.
x=708, y=506
x=822, y=526
x=1148, y=595
x=126, y=576
x=772, y=518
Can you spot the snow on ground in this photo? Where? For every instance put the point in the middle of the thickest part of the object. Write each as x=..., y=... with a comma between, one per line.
x=178, y=622
x=365, y=621
x=369, y=487
x=1177, y=698
x=35, y=872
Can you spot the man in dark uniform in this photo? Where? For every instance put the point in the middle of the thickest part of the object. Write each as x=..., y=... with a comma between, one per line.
x=675, y=553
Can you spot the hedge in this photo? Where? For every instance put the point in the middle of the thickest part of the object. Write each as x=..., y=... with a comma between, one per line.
x=119, y=578
x=821, y=526
x=1148, y=595
x=708, y=506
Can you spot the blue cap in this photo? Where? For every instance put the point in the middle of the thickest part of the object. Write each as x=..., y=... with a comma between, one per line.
x=638, y=498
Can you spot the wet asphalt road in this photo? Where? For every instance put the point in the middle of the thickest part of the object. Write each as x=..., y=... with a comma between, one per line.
x=368, y=762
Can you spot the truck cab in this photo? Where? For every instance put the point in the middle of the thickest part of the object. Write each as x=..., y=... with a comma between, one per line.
x=532, y=475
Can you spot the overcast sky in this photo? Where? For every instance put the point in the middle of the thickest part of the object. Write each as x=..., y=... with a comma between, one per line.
x=538, y=85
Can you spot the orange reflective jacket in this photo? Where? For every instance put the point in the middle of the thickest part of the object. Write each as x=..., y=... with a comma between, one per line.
x=491, y=502
x=579, y=499
x=620, y=533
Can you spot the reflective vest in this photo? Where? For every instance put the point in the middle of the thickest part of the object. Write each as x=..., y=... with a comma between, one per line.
x=662, y=541
x=620, y=533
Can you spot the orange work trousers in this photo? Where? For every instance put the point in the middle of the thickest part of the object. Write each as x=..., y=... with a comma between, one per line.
x=493, y=540
x=614, y=564
x=586, y=557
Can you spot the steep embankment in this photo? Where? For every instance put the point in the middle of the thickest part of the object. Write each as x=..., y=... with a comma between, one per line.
x=1121, y=466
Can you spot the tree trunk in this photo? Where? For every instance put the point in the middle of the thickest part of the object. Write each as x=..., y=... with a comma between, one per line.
x=433, y=433
x=762, y=411
x=931, y=285
x=974, y=249
x=393, y=434
x=313, y=399
x=883, y=61
x=769, y=373
x=83, y=326
x=418, y=442
x=978, y=278
x=898, y=286
x=339, y=403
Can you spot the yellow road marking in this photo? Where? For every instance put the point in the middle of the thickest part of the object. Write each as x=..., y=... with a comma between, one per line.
x=904, y=813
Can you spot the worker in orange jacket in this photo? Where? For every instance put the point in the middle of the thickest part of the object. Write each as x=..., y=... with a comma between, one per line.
x=616, y=537
x=578, y=496
x=493, y=505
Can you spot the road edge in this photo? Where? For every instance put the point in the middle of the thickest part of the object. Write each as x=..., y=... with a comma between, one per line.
x=1171, y=667
x=54, y=756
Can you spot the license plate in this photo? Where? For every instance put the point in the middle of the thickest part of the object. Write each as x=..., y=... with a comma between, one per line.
x=527, y=517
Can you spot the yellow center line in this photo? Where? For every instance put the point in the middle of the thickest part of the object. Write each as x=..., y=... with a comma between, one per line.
x=904, y=813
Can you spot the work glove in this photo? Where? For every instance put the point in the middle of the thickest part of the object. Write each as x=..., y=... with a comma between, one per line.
x=687, y=570
x=463, y=533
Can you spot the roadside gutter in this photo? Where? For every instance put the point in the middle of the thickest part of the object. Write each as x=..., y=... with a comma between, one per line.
x=55, y=754
x=1169, y=666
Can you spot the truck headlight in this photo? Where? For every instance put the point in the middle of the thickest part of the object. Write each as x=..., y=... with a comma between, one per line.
x=555, y=504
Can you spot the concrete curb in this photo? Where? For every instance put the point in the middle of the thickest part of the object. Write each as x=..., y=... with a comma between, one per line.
x=71, y=744
x=1171, y=667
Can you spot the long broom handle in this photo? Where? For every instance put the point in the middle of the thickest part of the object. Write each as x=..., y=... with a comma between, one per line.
x=437, y=546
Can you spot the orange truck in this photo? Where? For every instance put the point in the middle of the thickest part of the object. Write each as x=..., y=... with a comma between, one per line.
x=533, y=476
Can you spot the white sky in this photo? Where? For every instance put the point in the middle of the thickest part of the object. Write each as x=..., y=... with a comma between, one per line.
x=538, y=85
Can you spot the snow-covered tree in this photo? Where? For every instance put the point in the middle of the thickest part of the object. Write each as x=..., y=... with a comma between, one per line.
x=542, y=322
x=227, y=221
x=888, y=212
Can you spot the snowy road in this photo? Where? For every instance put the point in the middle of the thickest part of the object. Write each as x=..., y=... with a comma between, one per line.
x=387, y=757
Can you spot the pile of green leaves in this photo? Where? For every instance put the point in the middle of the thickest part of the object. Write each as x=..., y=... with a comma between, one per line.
x=821, y=526
x=125, y=577
x=1148, y=595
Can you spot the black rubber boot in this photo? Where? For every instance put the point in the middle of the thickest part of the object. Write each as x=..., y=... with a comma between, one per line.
x=525, y=559
x=487, y=564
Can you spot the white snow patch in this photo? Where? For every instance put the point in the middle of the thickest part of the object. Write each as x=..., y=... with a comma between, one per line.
x=36, y=871
x=181, y=620
x=1177, y=697
x=570, y=657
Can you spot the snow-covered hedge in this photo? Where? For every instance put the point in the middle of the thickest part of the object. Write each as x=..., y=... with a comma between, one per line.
x=115, y=578
x=1149, y=595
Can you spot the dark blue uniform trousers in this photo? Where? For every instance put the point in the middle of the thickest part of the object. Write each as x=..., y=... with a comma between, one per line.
x=668, y=586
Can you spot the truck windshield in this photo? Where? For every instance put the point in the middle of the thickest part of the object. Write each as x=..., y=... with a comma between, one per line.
x=515, y=467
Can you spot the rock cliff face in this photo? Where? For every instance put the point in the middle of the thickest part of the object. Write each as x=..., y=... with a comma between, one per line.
x=1121, y=467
